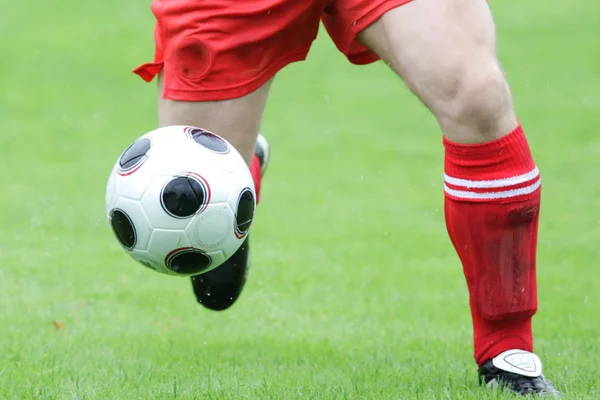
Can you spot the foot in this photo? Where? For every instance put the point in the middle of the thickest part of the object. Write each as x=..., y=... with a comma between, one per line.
x=262, y=151
x=219, y=288
x=518, y=371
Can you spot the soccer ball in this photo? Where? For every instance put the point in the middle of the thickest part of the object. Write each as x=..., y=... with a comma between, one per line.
x=180, y=200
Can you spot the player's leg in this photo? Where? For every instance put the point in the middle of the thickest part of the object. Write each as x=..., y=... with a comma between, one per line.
x=217, y=61
x=238, y=121
x=446, y=52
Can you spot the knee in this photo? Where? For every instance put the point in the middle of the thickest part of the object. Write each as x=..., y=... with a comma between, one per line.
x=477, y=103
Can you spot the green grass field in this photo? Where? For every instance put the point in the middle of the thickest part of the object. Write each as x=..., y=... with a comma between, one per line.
x=355, y=291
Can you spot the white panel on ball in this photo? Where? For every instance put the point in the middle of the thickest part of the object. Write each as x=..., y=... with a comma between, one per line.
x=211, y=229
x=148, y=261
x=165, y=241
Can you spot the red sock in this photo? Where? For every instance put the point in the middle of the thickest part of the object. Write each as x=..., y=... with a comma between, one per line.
x=492, y=199
x=256, y=176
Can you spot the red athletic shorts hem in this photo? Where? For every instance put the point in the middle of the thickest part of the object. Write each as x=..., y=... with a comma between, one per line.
x=148, y=71
x=365, y=56
x=227, y=49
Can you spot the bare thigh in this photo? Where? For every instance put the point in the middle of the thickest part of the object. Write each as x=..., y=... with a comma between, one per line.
x=237, y=120
x=445, y=51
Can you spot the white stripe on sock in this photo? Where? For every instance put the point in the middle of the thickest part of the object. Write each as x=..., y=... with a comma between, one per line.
x=464, y=194
x=495, y=183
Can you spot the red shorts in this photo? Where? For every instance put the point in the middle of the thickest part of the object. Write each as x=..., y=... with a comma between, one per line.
x=222, y=49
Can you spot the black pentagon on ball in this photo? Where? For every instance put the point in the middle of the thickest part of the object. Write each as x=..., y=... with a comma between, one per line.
x=210, y=141
x=188, y=262
x=245, y=211
x=123, y=228
x=183, y=196
x=135, y=154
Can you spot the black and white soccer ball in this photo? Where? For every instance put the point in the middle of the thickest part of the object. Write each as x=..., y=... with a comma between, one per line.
x=180, y=200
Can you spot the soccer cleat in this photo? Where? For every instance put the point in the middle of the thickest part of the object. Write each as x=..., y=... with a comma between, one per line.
x=219, y=288
x=518, y=371
x=262, y=152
